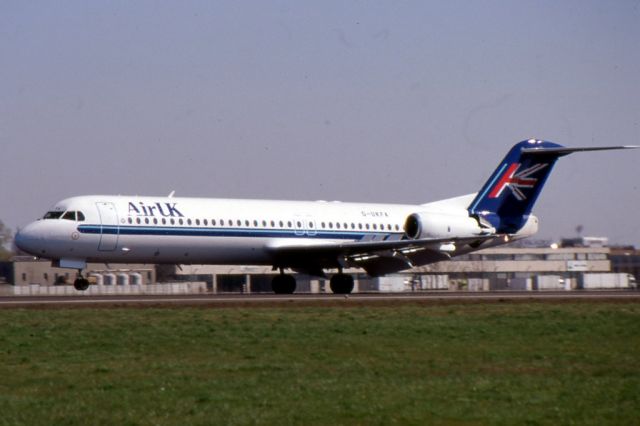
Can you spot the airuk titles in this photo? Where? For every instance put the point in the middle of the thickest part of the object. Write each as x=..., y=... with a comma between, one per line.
x=153, y=210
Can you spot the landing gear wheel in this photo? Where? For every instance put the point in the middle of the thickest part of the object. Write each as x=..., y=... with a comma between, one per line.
x=81, y=284
x=341, y=284
x=283, y=284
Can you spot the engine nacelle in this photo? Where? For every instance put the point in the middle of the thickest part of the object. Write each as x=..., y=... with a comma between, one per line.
x=442, y=225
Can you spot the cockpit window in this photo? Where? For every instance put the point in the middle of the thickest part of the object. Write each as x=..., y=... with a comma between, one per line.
x=70, y=216
x=52, y=215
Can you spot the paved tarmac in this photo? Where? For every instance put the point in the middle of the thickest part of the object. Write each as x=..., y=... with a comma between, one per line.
x=259, y=300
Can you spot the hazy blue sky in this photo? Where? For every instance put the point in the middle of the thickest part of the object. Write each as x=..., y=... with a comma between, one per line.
x=357, y=101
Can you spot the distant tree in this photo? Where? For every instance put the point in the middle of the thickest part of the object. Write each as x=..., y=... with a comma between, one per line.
x=6, y=239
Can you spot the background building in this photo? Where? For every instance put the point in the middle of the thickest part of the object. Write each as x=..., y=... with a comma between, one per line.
x=24, y=270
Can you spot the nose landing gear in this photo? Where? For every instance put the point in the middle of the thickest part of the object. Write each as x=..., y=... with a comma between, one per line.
x=81, y=283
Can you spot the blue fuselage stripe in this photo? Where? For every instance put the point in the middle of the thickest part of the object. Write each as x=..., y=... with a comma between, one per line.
x=223, y=232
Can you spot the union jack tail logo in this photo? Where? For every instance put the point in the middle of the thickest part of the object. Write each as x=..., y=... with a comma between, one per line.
x=516, y=181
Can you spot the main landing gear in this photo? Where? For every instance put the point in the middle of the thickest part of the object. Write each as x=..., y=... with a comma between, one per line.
x=283, y=283
x=81, y=283
x=341, y=283
x=286, y=284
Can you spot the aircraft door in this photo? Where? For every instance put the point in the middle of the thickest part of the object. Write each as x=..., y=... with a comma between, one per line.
x=305, y=225
x=299, y=225
x=109, y=228
x=311, y=227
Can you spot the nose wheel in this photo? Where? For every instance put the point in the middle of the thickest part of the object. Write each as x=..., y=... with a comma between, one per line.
x=81, y=283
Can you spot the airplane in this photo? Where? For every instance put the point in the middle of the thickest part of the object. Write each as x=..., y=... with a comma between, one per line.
x=303, y=236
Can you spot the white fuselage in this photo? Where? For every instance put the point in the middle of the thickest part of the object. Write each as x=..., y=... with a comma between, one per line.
x=213, y=231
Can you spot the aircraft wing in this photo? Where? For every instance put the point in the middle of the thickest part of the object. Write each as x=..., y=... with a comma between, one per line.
x=375, y=257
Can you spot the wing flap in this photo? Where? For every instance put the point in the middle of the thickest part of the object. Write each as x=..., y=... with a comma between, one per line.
x=377, y=266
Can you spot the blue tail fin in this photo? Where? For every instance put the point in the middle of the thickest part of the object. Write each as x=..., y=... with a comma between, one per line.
x=506, y=199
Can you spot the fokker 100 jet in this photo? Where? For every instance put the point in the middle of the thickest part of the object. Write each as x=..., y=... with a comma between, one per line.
x=307, y=237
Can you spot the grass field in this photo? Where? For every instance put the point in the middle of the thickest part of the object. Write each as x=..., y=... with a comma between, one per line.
x=458, y=364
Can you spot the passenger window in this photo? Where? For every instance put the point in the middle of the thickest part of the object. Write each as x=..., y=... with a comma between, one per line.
x=130, y=221
x=323, y=225
x=206, y=222
x=164, y=221
x=246, y=223
x=198, y=222
x=299, y=224
x=180, y=221
x=367, y=226
x=375, y=226
x=330, y=225
x=273, y=224
x=173, y=221
x=80, y=217
x=338, y=225
x=69, y=216
x=239, y=222
x=289, y=224
x=281, y=224
x=146, y=220
x=264, y=223
x=359, y=226
x=138, y=220
x=155, y=221
x=189, y=222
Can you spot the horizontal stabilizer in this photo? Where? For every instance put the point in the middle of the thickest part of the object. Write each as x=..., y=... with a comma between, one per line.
x=558, y=151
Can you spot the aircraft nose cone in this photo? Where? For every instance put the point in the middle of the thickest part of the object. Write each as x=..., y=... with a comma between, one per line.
x=27, y=239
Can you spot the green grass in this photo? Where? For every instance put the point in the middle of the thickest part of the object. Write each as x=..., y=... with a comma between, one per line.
x=459, y=364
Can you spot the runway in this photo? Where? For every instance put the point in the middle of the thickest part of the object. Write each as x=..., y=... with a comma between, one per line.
x=358, y=299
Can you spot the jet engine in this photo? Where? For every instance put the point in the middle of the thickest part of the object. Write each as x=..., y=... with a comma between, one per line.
x=442, y=225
